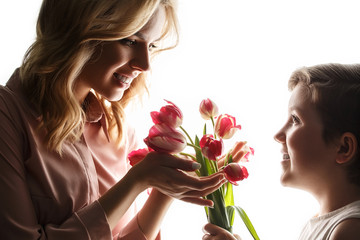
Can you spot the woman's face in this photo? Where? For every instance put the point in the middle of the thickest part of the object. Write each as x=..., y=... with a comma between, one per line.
x=306, y=158
x=121, y=61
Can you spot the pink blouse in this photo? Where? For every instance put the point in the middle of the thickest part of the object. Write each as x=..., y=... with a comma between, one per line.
x=48, y=196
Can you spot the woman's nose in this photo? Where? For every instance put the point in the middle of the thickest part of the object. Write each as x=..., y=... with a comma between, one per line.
x=141, y=60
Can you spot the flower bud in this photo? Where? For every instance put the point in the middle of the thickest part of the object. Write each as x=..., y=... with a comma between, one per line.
x=137, y=156
x=249, y=151
x=208, y=109
x=163, y=138
x=225, y=126
x=234, y=172
x=210, y=147
x=169, y=114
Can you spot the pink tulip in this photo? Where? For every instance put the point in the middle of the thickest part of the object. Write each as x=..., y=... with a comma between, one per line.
x=210, y=147
x=234, y=172
x=225, y=126
x=208, y=109
x=249, y=151
x=169, y=114
x=163, y=138
x=137, y=156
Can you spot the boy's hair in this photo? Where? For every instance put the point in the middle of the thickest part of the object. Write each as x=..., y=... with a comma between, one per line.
x=335, y=91
x=68, y=34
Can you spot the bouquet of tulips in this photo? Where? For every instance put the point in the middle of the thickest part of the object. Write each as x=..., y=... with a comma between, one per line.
x=167, y=135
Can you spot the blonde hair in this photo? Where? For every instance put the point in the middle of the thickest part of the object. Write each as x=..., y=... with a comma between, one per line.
x=68, y=33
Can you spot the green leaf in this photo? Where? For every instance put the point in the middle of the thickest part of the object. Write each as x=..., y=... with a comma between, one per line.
x=230, y=159
x=204, y=131
x=218, y=214
x=206, y=209
x=229, y=196
x=231, y=213
x=200, y=158
x=247, y=222
x=209, y=166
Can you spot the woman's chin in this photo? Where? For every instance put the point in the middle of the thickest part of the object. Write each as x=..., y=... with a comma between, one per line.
x=114, y=97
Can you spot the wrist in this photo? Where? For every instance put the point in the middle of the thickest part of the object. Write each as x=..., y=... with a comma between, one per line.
x=161, y=196
x=138, y=180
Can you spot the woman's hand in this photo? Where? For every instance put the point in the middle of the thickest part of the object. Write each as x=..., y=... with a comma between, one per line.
x=237, y=153
x=167, y=173
x=213, y=232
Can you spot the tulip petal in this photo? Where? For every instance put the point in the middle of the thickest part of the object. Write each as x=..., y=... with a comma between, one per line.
x=137, y=156
x=163, y=138
x=210, y=147
x=169, y=114
x=208, y=109
x=235, y=172
x=225, y=126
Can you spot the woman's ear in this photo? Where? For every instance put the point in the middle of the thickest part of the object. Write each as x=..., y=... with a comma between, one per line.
x=347, y=148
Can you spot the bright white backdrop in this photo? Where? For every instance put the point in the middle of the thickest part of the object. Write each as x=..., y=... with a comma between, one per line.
x=240, y=54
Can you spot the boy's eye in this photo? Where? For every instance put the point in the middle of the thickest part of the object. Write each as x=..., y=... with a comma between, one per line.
x=295, y=119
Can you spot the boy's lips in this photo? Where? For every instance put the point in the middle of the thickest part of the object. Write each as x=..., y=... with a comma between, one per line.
x=285, y=156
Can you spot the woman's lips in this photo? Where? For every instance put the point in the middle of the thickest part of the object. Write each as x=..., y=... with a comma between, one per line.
x=122, y=78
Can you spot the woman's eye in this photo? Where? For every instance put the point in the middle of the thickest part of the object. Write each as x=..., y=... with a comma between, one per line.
x=128, y=42
x=153, y=46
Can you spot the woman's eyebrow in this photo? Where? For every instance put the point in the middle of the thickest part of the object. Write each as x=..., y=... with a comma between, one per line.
x=143, y=37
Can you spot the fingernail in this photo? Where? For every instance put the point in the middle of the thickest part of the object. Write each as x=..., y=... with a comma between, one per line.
x=196, y=165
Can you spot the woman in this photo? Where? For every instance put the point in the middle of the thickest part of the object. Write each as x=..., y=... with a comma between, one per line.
x=64, y=139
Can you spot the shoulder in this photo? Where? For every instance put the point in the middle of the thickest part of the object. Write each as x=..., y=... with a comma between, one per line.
x=348, y=229
x=8, y=104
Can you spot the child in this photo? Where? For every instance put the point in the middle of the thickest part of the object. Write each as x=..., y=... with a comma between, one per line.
x=320, y=149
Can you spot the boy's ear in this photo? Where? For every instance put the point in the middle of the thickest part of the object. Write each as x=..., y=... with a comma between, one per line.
x=347, y=148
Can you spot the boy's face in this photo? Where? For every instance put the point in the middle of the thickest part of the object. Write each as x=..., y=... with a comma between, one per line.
x=307, y=160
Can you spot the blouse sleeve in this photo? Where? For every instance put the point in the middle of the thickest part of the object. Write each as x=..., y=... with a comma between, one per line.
x=132, y=230
x=18, y=217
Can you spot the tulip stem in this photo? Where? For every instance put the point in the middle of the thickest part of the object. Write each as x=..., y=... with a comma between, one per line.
x=187, y=135
x=213, y=123
x=188, y=155
x=214, y=166
x=212, y=120
x=194, y=146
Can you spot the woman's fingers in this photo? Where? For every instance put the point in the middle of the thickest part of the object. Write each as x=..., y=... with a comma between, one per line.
x=168, y=160
x=198, y=201
x=195, y=196
x=169, y=174
x=180, y=184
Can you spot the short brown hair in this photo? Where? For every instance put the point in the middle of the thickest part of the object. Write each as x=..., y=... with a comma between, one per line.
x=335, y=91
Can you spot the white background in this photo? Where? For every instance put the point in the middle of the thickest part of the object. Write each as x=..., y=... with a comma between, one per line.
x=240, y=54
